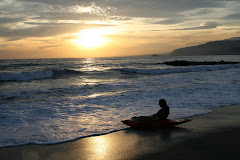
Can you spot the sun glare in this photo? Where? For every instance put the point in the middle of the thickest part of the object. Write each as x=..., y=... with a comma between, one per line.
x=90, y=38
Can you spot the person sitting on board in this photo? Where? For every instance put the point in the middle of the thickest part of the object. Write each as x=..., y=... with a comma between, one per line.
x=162, y=114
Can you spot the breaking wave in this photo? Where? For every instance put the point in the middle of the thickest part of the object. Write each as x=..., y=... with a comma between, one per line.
x=65, y=73
x=37, y=75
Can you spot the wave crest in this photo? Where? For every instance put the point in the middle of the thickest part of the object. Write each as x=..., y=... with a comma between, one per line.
x=26, y=76
x=37, y=75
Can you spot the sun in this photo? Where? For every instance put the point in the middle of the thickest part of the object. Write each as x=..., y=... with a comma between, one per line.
x=91, y=38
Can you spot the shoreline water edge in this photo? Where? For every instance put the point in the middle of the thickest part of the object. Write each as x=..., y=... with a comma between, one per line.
x=209, y=136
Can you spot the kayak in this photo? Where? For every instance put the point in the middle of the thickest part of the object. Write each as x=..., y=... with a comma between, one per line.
x=155, y=123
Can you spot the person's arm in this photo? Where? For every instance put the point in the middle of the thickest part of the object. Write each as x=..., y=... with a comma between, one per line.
x=154, y=116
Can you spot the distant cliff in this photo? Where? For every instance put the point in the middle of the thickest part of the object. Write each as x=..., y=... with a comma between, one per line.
x=224, y=47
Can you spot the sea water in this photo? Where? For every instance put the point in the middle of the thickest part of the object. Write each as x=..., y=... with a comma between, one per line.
x=46, y=101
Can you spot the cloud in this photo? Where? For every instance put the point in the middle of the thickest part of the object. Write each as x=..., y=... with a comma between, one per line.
x=136, y=8
x=116, y=9
x=54, y=17
x=50, y=24
x=156, y=8
x=62, y=2
x=83, y=10
x=233, y=16
x=6, y=20
x=68, y=16
x=77, y=16
x=46, y=30
x=199, y=12
x=49, y=46
x=169, y=21
x=208, y=25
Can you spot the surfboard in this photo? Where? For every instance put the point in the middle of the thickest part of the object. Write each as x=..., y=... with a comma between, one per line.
x=155, y=123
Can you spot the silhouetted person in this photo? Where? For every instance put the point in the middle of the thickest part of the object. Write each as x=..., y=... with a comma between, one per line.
x=162, y=114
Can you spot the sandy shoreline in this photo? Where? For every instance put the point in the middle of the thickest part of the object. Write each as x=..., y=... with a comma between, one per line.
x=209, y=136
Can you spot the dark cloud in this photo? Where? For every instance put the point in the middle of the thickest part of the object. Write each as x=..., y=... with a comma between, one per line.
x=235, y=16
x=156, y=8
x=8, y=39
x=49, y=46
x=45, y=30
x=51, y=24
x=120, y=9
x=200, y=12
x=77, y=16
x=68, y=16
x=137, y=8
x=208, y=25
x=66, y=10
x=169, y=21
x=6, y=20
x=35, y=12
x=61, y=2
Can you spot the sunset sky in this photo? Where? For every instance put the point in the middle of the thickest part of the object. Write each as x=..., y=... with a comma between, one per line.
x=100, y=28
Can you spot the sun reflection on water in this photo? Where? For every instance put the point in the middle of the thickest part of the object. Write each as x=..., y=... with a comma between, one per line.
x=89, y=65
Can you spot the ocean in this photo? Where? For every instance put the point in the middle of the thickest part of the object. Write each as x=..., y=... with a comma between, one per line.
x=47, y=101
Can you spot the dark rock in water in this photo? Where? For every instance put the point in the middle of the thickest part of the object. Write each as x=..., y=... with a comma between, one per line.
x=192, y=63
x=3, y=116
x=12, y=98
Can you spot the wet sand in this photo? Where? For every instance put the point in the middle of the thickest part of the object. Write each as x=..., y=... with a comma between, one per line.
x=210, y=136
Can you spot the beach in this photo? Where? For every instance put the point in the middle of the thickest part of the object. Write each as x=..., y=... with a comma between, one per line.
x=214, y=135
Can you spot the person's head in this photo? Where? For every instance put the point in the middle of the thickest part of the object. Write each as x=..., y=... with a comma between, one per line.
x=162, y=103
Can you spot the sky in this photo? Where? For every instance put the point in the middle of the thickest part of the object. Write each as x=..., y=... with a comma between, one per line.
x=106, y=28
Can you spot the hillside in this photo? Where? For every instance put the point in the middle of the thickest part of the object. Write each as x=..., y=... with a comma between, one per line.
x=224, y=47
